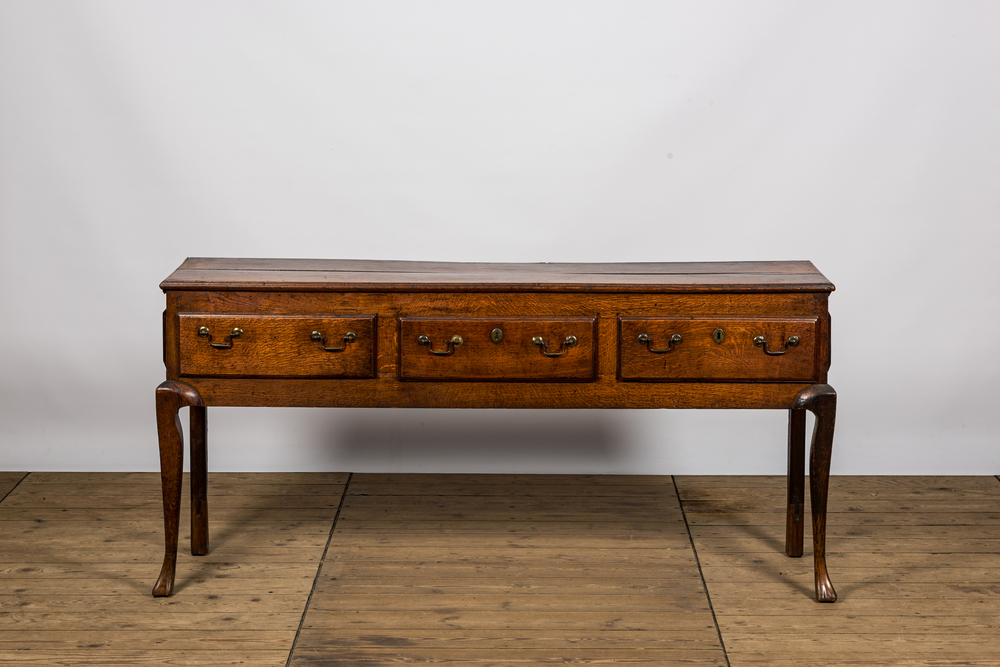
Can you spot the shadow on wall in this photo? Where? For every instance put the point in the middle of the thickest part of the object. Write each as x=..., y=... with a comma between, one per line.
x=479, y=440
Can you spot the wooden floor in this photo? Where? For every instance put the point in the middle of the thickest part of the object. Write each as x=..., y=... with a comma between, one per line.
x=310, y=570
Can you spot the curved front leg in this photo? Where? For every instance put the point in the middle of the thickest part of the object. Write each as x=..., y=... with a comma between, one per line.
x=821, y=400
x=170, y=398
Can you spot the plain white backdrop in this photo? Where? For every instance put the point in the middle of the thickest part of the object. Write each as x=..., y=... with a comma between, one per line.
x=864, y=136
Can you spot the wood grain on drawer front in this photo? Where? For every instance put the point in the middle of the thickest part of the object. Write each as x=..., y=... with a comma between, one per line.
x=515, y=357
x=699, y=357
x=277, y=346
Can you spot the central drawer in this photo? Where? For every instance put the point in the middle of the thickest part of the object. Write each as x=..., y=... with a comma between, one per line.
x=482, y=348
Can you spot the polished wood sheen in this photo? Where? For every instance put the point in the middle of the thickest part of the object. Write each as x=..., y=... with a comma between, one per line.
x=239, y=332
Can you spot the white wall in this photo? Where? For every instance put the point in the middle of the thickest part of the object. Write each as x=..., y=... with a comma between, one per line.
x=861, y=135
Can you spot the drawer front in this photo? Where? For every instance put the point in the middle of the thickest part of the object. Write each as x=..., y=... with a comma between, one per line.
x=277, y=346
x=766, y=349
x=446, y=348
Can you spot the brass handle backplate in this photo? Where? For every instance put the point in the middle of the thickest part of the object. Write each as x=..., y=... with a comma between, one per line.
x=451, y=345
x=792, y=341
x=569, y=342
x=235, y=333
x=675, y=339
x=349, y=337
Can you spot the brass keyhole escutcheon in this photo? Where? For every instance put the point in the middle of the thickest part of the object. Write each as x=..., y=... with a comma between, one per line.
x=496, y=335
x=719, y=336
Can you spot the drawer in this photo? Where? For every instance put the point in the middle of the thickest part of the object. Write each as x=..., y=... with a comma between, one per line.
x=277, y=346
x=469, y=348
x=762, y=348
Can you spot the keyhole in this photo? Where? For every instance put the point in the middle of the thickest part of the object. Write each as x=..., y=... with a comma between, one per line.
x=719, y=336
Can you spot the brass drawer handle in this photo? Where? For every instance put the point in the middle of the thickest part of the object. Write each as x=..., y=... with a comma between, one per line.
x=674, y=339
x=450, y=345
x=566, y=344
x=349, y=337
x=235, y=333
x=760, y=341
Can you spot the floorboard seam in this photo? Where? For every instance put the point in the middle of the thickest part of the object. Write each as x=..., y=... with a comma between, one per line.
x=319, y=571
x=701, y=573
x=24, y=477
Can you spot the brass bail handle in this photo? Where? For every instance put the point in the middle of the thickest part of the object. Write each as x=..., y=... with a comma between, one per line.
x=569, y=342
x=675, y=339
x=792, y=341
x=235, y=333
x=451, y=345
x=349, y=337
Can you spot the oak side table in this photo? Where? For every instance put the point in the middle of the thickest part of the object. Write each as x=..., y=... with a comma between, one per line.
x=354, y=333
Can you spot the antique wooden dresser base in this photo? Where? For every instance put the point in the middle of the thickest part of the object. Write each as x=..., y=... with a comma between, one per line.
x=352, y=333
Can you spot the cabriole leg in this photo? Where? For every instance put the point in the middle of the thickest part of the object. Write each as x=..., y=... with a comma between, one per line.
x=170, y=398
x=821, y=400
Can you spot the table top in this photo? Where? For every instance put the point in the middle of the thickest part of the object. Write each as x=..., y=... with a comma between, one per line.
x=233, y=274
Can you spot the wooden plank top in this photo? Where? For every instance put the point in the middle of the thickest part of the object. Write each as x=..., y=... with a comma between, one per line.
x=198, y=273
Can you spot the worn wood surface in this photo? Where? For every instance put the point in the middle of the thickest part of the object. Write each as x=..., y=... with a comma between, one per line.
x=305, y=274
x=509, y=569
x=78, y=554
x=917, y=575
x=9, y=480
x=486, y=570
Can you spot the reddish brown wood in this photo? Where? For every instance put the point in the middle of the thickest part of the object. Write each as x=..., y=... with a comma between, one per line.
x=323, y=275
x=498, y=304
x=199, y=480
x=604, y=392
x=278, y=303
x=514, y=357
x=276, y=346
x=794, y=533
x=824, y=336
x=821, y=400
x=170, y=398
x=699, y=357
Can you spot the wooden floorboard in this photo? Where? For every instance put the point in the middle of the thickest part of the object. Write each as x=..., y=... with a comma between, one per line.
x=498, y=570
x=9, y=480
x=79, y=553
x=915, y=560
x=518, y=569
